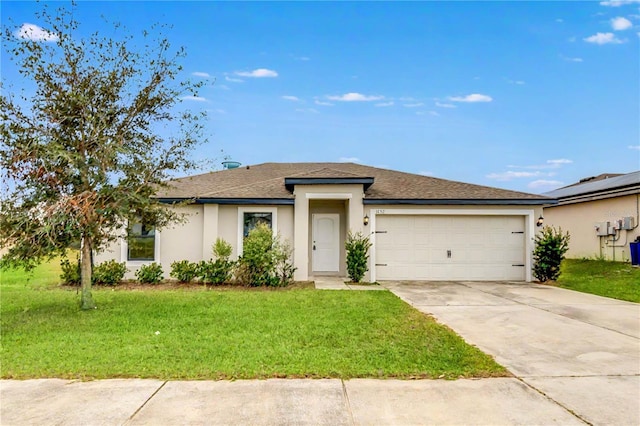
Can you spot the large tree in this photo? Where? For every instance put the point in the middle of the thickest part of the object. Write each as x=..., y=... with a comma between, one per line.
x=91, y=129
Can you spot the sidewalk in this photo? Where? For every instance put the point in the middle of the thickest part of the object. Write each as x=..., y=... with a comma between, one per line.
x=340, y=283
x=498, y=401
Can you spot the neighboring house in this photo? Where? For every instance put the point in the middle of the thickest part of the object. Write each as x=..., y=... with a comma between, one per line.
x=422, y=228
x=601, y=214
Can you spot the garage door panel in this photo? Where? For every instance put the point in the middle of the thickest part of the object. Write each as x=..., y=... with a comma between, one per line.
x=450, y=247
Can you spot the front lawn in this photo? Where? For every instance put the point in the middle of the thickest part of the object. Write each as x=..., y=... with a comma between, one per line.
x=610, y=279
x=209, y=334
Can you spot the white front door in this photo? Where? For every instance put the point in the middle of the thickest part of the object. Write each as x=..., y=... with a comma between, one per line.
x=326, y=243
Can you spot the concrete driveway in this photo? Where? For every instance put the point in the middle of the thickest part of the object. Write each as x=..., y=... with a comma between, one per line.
x=581, y=351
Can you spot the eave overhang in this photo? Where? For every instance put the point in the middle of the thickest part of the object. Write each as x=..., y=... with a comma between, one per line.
x=289, y=183
x=463, y=202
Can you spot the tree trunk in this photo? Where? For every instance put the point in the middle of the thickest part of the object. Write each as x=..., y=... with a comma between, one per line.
x=86, y=301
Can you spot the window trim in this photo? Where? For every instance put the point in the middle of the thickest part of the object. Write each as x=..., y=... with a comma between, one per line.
x=243, y=210
x=124, y=250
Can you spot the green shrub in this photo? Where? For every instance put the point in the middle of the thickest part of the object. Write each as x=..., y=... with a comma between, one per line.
x=184, y=271
x=70, y=271
x=108, y=273
x=150, y=274
x=266, y=261
x=215, y=271
x=550, y=248
x=222, y=249
x=357, y=246
x=283, y=261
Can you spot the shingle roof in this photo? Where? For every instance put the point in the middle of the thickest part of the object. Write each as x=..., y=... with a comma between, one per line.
x=266, y=181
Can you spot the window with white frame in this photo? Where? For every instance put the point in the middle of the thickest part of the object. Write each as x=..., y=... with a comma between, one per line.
x=141, y=242
x=250, y=217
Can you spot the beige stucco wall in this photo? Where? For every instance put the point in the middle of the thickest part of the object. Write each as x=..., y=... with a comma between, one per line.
x=580, y=219
x=351, y=195
x=194, y=238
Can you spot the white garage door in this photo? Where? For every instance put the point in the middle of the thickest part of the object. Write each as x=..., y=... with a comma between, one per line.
x=473, y=248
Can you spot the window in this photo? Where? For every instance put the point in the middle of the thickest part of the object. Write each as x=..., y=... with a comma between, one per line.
x=141, y=242
x=250, y=217
x=253, y=219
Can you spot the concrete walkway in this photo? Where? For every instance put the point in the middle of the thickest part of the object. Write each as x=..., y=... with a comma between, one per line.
x=581, y=351
x=500, y=401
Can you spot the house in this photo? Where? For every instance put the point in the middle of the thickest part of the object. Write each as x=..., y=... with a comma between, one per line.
x=422, y=228
x=601, y=214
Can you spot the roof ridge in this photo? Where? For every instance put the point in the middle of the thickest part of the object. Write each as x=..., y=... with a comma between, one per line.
x=255, y=183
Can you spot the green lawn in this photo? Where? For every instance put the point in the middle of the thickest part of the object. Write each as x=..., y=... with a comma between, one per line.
x=208, y=334
x=610, y=279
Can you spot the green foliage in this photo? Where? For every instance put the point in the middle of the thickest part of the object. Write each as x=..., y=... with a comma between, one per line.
x=70, y=274
x=265, y=261
x=357, y=246
x=550, y=248
x=84, y=154
x=150, y=273
x=109, y=273
x=215, y=271
x=184, y=271
x=218, y=271
x=222, y=249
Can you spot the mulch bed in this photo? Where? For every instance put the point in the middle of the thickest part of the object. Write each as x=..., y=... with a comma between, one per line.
x=192, y=286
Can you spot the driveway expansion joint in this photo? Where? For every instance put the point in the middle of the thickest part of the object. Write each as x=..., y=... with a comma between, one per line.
x=347, y=403
x=570, y=411
x=146, y=402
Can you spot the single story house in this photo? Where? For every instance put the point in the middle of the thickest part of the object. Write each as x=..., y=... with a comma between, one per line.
x=422, y=228
x=601, y=214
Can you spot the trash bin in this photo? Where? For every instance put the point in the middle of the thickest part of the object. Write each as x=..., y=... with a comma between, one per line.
x=635, y=253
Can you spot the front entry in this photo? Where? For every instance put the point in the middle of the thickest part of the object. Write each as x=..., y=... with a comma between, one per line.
x=326, y=243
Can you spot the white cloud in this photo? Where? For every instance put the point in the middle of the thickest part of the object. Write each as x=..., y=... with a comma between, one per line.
x=290, y=98
x=312, y=110
x=234, y=80
x=257, y=73
x=545, y=184
x=603, y=38
x=636, y=147
x=194, y=98
x=216, y=111
x=317, y=102
x=414, y=105
x=559, y=161
x=354, y=97
x=518, y=82
x=35, y=33
x=512, y=175
x=441, y=105
x=474, y=97
x=349, y=160
x=303, y=58
x=550, y=164
x=617, y=3
x=201, y=74
x=384, y=104
x=559, y=20
x=569, y=59
x=620, y=23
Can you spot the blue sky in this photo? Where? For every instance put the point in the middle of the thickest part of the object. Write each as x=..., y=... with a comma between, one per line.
x=528, y=96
